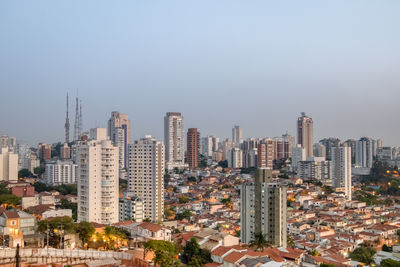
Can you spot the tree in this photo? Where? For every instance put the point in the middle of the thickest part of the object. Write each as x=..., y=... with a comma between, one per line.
x=24, y=173
x=165, y=253
x=85, y=231
x=290, y=242
x=39, y=170
x=390, y=263
x=115, y=236
x=186, y=214
x=193, y=255
x=183, y=199
x=386, y=248
x=223, y=164
x=313, y=252
x=260, y=241
x=203, y=163
x=9, y=200
x=41, y=187
x=363, y=254
x=56, y=229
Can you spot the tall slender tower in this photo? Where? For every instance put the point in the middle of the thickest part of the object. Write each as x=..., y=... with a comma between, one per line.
x=174, y=138
x=193, y=147
x=305, y=134
x=67, y=125
x=76, y=125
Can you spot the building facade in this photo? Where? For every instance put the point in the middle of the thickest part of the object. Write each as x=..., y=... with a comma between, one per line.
x=174, y=138
x=305, y=133
x=263, y=209
x=98, y=184
x=341, y=169
x=146, y=175
x=193, y=148
x=8, y=165
x=60, y=172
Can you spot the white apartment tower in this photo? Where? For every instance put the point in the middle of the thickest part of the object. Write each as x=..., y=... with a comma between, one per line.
x=119, y=131
x=98, y=187
x=235, y=158
x=364, y=154
x=341, y=169
x=174, y=138
x=237, y=136
x=8, y=165
x=146, y=175
x=60, y=172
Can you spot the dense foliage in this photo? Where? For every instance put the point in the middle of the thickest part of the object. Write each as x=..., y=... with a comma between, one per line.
x=363, y=254
x=193, y=255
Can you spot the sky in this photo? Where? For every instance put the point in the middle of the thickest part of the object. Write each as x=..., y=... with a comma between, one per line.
x=254, y=63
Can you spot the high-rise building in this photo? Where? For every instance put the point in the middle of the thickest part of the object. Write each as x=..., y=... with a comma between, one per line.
x=60, y=172
x=8, y=165
x=146, y=175
x=266, y=154
x=305, y=133
x=65, y=151
x=250, y=147
x=9, y=142
x=119, y=131
x=329, y=143
x=237, y=136
x=316, y=168
x=174, y=138
x=209, y=144
x=379, y=143
x=263, y=209
x=341, y=169
x=284, y=145
x=193, y=148
x=44, y=151
x=98, y=184
x=227, y=145
x=351, y=143
x=298, y=154
x=364, y=156
x=235, y=158
x=319, y=150
x=130, y=208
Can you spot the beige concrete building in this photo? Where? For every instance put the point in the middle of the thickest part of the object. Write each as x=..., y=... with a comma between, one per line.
x=263, y=209
x=8, y=165
x=305, y=134
x=146, y=175
x=97, y=178
x=174, y=138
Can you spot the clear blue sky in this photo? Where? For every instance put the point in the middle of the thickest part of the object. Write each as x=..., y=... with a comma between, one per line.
x=253, y=63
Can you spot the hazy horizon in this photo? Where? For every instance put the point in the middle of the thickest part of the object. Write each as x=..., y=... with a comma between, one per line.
x=257, y=64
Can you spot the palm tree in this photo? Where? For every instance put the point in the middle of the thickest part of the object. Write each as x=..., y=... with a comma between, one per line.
x=260, y=241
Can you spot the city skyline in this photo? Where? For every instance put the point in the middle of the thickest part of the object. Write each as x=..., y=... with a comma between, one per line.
x=342, y=72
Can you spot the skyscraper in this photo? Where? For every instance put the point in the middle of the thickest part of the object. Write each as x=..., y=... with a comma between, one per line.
x=364, y=156
x=263, y=209
x=341, y=169
x=8, y=165
x=98, y=185
x=266, y=154
x=44, y=151
x=235, y=158
x=237, y=136
x=146, y=175
x=119, y=131
x=193, y=147
x=174, y=138
x=305, y=133
x=329, y=143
